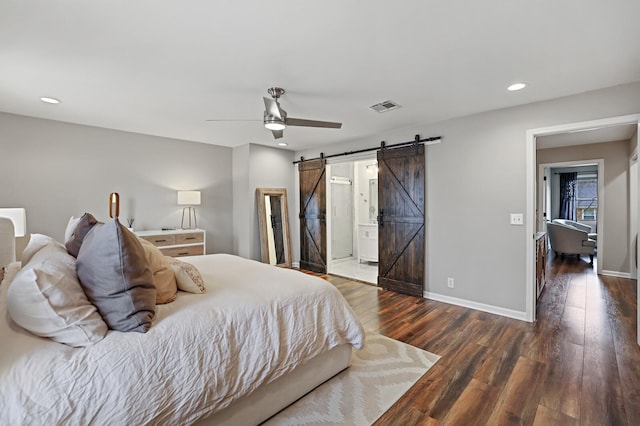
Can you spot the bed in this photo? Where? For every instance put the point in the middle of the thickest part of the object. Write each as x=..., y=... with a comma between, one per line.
x=259, y=338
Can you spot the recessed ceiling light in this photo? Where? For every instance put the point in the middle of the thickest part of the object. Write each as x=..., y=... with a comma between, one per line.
x=516, y=86
x=50, y=100
x=282, y=144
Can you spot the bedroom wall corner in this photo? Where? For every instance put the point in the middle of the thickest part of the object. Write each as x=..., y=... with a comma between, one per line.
x=256, y=166
x=269, y=168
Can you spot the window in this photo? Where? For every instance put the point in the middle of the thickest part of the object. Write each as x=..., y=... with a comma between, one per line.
x=587, y=196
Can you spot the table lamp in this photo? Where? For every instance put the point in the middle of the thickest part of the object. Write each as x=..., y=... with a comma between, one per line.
x=189, y=199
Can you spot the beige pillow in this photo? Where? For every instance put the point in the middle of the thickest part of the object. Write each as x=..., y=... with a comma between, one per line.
x=46, y=298
x=188, y=277
x=163, y=276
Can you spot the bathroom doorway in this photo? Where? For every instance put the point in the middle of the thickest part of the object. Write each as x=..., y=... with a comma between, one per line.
x=352, y=194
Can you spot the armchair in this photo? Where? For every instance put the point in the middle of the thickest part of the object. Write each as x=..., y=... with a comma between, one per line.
x=581, y=226
x=568, y=240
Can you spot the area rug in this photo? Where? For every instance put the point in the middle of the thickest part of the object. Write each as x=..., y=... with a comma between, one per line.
x=379, y=375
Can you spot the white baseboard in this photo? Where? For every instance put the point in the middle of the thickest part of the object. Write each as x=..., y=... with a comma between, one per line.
x=497, y=310
x=617, y=274
x=295, y=265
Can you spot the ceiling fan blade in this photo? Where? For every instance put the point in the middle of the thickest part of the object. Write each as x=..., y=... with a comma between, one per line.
x=228, y=120
x=272, y=108
x=277, y=134
x=312, y=123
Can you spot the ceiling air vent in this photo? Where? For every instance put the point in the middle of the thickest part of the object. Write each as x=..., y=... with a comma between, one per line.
x=385, y=106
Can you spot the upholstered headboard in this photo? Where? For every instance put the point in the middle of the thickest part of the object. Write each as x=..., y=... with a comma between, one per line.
x=7, y=242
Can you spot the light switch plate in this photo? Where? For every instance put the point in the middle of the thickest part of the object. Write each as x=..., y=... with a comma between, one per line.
x=517, y=219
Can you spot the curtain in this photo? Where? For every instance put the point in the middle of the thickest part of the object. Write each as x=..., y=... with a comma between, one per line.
x=568, y=183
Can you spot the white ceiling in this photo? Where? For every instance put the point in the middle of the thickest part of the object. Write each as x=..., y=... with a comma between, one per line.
x=164, y=67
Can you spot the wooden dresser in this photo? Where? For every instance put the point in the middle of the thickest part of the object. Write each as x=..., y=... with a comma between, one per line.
x=541, y=261
x=178, y=242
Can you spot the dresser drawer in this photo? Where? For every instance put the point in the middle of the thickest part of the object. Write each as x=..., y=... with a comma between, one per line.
x=161, y=240
x=183, y=251
x=191, y=238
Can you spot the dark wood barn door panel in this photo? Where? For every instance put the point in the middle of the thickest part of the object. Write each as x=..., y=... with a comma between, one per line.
x=401, y=231
x=313, y=225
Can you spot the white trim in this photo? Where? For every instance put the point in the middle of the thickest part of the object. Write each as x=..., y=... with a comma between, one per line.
x=295, y=265
x=633, y=211
x=616, y=274
x=329, y=216
x=529, y=222
x=496, y=310
x=530, y=216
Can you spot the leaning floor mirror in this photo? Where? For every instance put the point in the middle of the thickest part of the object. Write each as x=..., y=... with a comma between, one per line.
x=273, y=220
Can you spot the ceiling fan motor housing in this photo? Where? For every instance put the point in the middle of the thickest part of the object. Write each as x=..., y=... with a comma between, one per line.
x=272, y=122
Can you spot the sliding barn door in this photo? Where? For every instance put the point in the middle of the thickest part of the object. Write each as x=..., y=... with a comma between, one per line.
x=313, y=224
x=401, y=250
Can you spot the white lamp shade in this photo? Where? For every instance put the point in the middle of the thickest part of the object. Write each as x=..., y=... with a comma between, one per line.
x=19, y=218
x=188, y=198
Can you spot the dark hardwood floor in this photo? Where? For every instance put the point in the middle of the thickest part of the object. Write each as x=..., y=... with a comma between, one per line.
x=579, y=364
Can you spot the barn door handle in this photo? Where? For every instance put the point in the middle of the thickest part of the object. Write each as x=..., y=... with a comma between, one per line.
x=381, y=218
x=322, y=215
x=273, y=221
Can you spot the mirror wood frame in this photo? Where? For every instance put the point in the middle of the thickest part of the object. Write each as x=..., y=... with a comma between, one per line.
x=261, y=193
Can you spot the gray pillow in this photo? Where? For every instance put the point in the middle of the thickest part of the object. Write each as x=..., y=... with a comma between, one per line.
x=115, y=275
x=87, y=221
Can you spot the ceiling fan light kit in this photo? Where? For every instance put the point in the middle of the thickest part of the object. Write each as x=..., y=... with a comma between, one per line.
x=273, y=124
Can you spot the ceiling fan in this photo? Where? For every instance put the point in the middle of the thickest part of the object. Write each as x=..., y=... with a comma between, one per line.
x=276, y=119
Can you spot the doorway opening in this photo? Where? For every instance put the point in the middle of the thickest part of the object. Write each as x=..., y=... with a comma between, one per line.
x=352, y=228
x=565, y=131
x=582, y=210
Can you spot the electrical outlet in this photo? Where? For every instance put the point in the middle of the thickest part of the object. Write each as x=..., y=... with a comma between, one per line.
x=450, y=282
x=517, y=219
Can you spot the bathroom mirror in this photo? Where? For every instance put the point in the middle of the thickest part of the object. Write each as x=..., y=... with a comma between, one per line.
x=273, y=221
x=373, y=200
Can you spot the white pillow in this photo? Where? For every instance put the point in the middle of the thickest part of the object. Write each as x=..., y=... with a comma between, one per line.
x=71, y=226
x=35, y=244
x=46, y=298
x=188, y=277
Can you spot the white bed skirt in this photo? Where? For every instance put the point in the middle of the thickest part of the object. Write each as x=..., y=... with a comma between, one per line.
x=258, y=406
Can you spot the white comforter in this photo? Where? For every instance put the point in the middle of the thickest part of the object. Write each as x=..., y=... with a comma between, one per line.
x=255, y=323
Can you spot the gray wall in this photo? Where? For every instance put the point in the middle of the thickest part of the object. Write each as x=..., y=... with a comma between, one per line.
x=56, y=170
x=616, y=198
x=241, y=202
x=475, y=178
x=258, y=166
